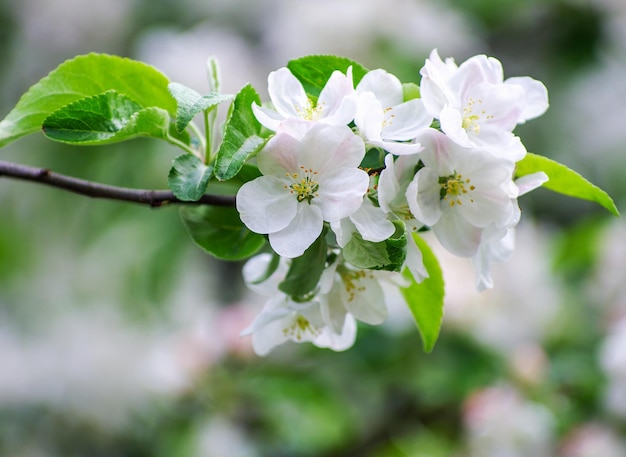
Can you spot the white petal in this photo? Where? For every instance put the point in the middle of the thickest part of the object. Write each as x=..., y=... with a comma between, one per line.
x=423, y=196
x=279, y=156
x=326, y=147
x=301, y=232
x=264, y=205
x=343, y=230
x=337, y=99
x=367, y=303
x=341, y=192
x=457, y=235
x=369, y=117
x=452, y=125
x=332, y=307
x=386, y=87
x=268, y=118
x=341, y=341
x=372, y=222
x=414, y=260
x=531, y=182
x=287, y=93
x=536, y=97
x=404, y=121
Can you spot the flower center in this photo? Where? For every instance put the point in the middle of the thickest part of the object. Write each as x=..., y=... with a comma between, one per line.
x=300, y=327
x=473, y=114
x=453, y=187
x=304, y=185
x=310, y=112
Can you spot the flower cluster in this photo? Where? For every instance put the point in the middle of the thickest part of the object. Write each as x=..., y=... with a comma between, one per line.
x=349, y=177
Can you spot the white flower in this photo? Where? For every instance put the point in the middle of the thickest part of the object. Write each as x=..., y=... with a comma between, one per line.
x=336, y=104
x=384, y=119
x=476, y=107
x=459, y=192
x=305, y=182
x=283, y=319
x=392, y=186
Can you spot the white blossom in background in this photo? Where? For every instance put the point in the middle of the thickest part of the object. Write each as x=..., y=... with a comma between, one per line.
x=500, y=422
x=336, y=104
x=613, y=363
x=384, y=119
x=593, y=439
x=476, y=107
x=305, y=182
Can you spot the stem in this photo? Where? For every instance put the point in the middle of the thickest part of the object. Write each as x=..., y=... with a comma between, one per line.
x=170, y=139
x=153, y=198
x=209, y=138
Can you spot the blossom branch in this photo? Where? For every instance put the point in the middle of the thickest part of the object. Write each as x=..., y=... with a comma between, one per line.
x=153, y=198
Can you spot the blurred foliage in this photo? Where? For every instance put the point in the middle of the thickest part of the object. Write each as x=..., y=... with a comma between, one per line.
x=382, y=398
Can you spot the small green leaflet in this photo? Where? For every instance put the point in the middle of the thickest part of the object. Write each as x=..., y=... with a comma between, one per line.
x=305, y=271
x=313, y=71
x=105, y=118
x=188, y=177
x=564, y=180
x=242, y=137
x=220, y=232
x=384, y=255
x=425, y=300
x=191, y=103
x=85, y=76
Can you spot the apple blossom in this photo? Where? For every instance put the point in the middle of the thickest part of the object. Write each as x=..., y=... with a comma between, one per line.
x=476, y=107
x=305, y=182
x=459, y=192
x=336, y=104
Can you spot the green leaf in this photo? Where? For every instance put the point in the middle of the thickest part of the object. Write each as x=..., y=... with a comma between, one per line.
x=410, y=91
x=242, y=138
x=383, y=255
x=191, y=103
x=305, y=271
x=314, y=71
x=188, y=177
x=220, y=232
x=105, y=118
x=81, y=77
x=564, y=180
x=425, y=299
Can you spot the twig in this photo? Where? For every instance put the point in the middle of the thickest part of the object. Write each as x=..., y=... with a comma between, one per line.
x=153, y=198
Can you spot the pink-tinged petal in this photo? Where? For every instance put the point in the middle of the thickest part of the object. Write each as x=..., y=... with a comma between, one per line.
x=287, y=93
x=536, y=97
x=295, y=127
x=341, y=193
x=372, y=222
x=452, y=125
x=474, y=71
x=403, y=122
x=386, y=87
x=414, y=261
x=531, y=182
x=301, y=232
x=265, y=206
x=370, y=116
x=268, y=118
x=457, y=235
x=423, y=196
x=279, y=156
x=326, y=147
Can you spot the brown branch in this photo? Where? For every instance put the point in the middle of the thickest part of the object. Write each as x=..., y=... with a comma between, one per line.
x=153, y=198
